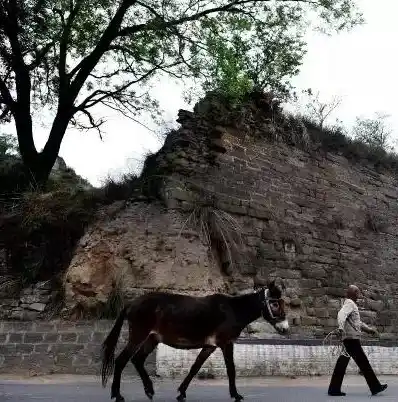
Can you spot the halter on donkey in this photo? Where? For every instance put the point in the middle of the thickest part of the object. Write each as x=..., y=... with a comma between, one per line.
x=188, y=322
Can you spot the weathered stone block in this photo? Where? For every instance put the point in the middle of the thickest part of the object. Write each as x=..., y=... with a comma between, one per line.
x=84, y=338
x=335, y=304
x=66, y=348
x=375, y=305
x=289, y=274
x=339, y=292
x=313, y=270
x=296, y=321
x=42, y=348
x=296, y=302
x=309, y=321
x=309, y=283
x=322, y=312
x=51, y=338
x=15, y=337
x=37, y=307
x=31, y=337
x=310, y=311
x=68, y=337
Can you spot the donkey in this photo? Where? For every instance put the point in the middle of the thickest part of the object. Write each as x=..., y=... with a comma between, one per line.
x=188, y=322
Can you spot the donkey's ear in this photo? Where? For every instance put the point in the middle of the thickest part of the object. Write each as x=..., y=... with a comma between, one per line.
x=283, y=285
x=271, y=284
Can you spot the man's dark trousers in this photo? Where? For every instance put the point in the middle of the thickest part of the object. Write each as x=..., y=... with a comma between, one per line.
x=354, y=349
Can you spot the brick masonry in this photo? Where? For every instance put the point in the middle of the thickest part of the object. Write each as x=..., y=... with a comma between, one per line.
x=315, y=219
x=57, y=347
x=60, y=347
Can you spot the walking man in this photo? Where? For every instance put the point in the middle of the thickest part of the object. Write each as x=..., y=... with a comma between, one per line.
x=350, y=326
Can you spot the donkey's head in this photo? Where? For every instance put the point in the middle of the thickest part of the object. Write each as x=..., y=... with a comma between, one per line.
x=273, y=306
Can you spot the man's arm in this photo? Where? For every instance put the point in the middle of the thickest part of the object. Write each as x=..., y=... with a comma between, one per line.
x=369, y=330
x=366, y=328
x=344, y=312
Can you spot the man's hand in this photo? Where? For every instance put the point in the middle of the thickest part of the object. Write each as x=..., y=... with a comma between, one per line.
x=375, y=332
x=340, y=332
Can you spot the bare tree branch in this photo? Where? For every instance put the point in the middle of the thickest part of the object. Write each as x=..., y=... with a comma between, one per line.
x=91, y=100
x=128, y=115
x=93, y=124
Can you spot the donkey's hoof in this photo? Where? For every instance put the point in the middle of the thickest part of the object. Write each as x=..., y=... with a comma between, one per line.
x=238, y=397
x=181, y=397
x=150, y=394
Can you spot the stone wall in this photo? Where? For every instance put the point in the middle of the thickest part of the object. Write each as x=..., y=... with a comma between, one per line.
x=315, y=219
x=31, y=303
x=264, y=207
x=64, y=347
x=57, y=347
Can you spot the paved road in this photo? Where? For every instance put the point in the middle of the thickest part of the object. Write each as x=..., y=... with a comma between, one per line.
x=255, y=390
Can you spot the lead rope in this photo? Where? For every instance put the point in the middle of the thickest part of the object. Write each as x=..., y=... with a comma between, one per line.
x=337, y=346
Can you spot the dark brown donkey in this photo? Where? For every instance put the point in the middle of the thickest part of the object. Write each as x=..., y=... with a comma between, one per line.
x=188, y=322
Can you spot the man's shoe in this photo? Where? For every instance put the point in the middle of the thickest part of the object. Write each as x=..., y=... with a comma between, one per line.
x=336, y=393
x=382, y=388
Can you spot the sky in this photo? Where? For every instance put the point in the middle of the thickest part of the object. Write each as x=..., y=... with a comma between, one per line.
x=360, y=67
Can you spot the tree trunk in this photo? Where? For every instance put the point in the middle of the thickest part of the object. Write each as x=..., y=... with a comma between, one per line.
x=39, y=164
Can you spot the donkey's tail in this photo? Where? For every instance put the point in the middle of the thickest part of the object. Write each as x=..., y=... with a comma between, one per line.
x=109, y=346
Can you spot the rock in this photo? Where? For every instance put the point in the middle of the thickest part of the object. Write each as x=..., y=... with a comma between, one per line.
x=134, y=258
x=37, y=307
x=309, y=321
x=375, y=305
x=296, y=302
x=335, y=304
x=297, y=321
x=27, y=291
x=322, y=312
x=29, y=299
x=24, y=315
x=46, y=285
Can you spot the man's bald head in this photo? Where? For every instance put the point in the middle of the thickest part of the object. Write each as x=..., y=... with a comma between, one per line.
x=353, y=292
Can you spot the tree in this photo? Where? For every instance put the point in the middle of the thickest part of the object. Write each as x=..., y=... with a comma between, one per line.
x=70, y=56
x=373, y=132
x=319, y=110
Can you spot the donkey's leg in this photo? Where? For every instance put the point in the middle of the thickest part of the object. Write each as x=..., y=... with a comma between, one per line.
x=228, y=352
x=202, y=357
x=120, y=363
x=139, y=360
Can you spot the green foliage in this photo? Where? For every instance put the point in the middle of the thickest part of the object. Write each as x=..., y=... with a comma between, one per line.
x=261, y=45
